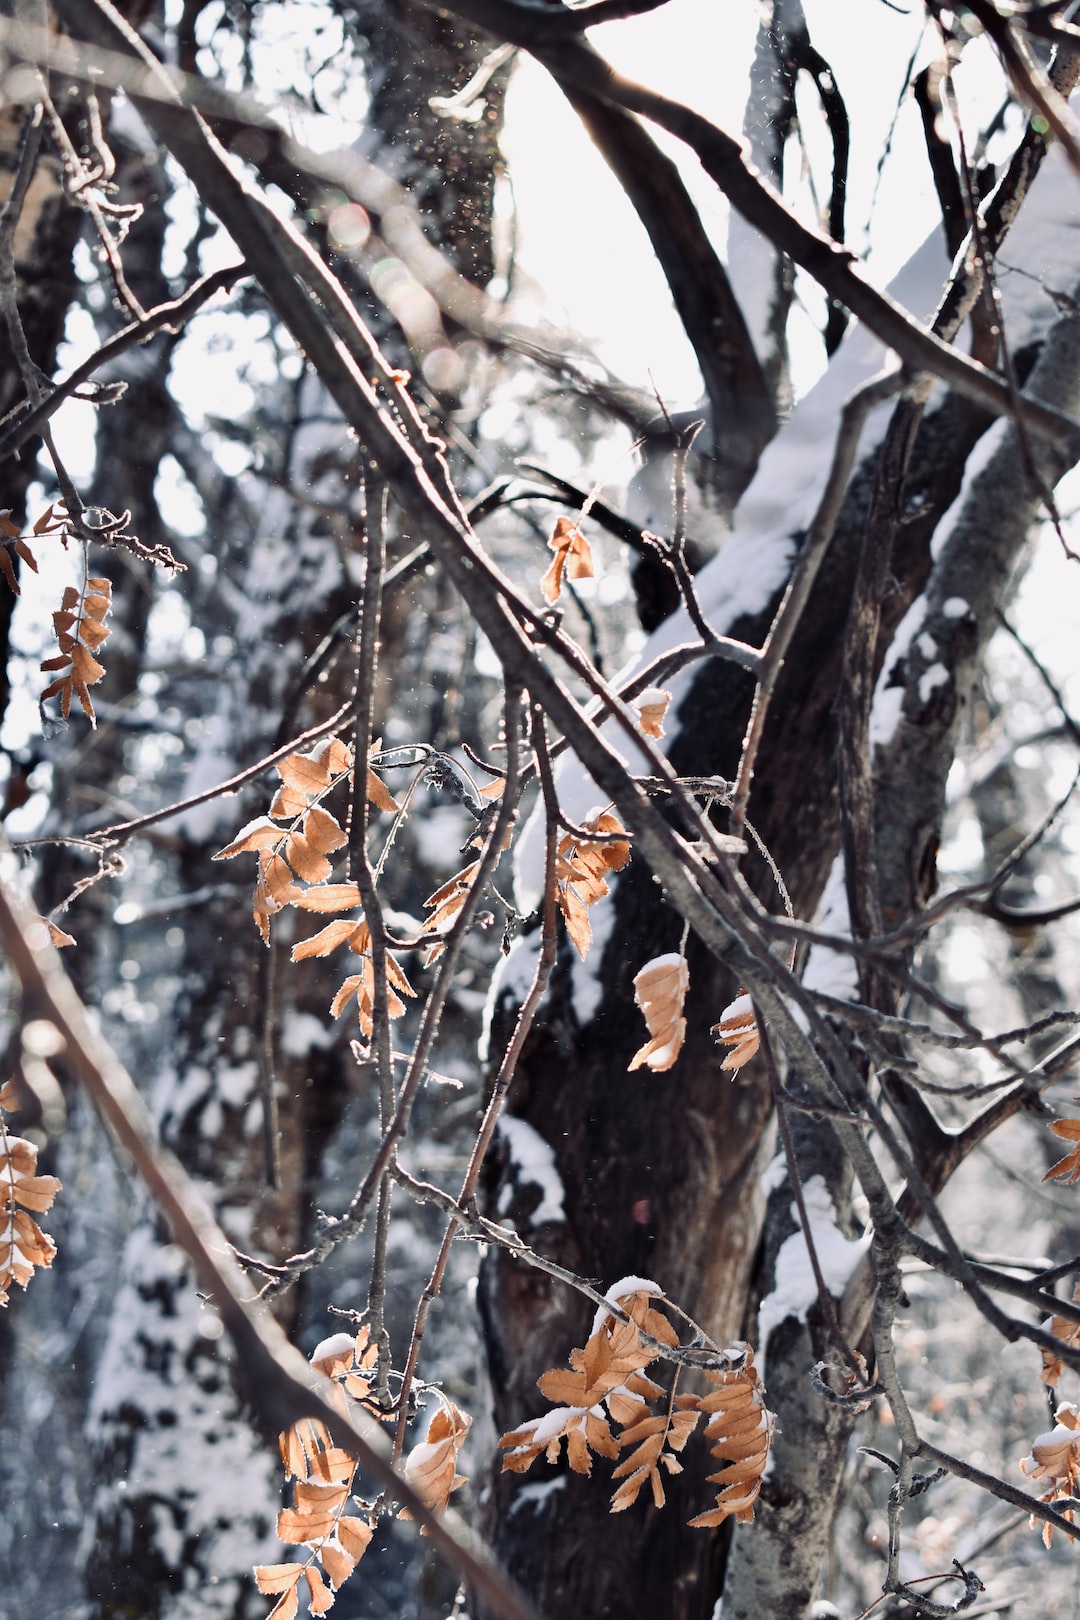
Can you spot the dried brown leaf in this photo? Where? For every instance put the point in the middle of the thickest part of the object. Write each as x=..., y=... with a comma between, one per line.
x=741, y=1428
x=329, y=897
x=321, y=1597
x=274, y=1578
x=738, y=1030
x=1068, y=1168
x=258, y=834
x=652, y=708
x=572, y=559
x=79, y=625
x=303, y=1527
x=337, y=1563
x=431, y=1466
x=355, y=1535
x=660, y=991
x=1069, y=1334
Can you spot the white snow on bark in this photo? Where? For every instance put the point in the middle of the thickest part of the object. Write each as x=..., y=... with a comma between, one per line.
x=533, y=1163
x=511, y=981
x=795, y=1288
x=147, y=1365
x=586, y=985
x=832, y=973
x=535, y=1494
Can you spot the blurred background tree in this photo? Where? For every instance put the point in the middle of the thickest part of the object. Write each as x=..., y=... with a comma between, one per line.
x=918, y=732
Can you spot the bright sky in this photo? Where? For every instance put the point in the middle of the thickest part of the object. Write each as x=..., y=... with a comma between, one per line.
x=580, y=236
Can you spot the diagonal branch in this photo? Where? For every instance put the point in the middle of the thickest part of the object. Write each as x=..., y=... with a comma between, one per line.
x=835, y=268
x=276, y=1375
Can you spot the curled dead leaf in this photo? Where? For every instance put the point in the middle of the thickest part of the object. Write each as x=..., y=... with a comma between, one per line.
x=572, y=559
x=738, y=1030
x=660, y=991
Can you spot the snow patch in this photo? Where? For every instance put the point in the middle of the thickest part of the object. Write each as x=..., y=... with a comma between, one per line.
x=512, y=981
x=586, y=985
x=888, y=705
x=774, y=1174
x=533, y=1166
x=302, y=1032
x=535, y=1494
x=976, y=464
x=833, y=973
x=235, y=1084
x=931, y=680
x=618, y=1292
x=795, y=1289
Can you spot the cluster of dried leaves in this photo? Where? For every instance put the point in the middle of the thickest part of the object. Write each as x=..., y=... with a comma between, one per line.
x=294, y=843
x=324, y=1475
x=80, y=630
x=23, y=1245
x=582, y=867
x=1055, y=1456
x=604, y=1406
x=11, y=540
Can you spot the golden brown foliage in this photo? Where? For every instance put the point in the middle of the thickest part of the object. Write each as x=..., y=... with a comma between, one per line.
x=738, y=1030
x=660, y=991
x=445, y=904
x=1069, y=1333
x=652, y=707
x=294, y=843
x=9, y=532
x=323, y=1475
x=80, y=629
x=741, y=1429
x=1055, y=1456
x=581, y=873
x=23, y=1245
x=606, y=1388
x=431, y=1467
x=572, y=559
x=1068, y=1168
x=54, y=520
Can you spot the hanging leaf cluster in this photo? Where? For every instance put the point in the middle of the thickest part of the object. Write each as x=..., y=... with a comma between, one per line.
x=80, y=630
x=23, y=1245
x=54, y=520
x=741, y=1430
x=604, y=1406
x=444, y=905
x=323, y=1476
x=1055, y=1457
x=294, y=843
x=1067, y=1169
x=1069, y=1334
x=319, y=1517
x=581, y=872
